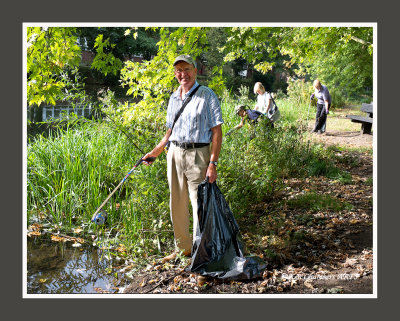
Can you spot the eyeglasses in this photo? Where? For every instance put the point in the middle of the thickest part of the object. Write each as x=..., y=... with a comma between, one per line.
x=185, y=70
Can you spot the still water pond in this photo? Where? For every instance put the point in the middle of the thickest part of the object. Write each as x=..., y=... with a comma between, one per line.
x=60, y=268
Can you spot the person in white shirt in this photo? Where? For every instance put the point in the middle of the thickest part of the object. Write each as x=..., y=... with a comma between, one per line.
x=265, y=104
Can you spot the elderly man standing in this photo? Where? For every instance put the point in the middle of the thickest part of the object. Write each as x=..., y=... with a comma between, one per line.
x=195, y=139
x=323, y=105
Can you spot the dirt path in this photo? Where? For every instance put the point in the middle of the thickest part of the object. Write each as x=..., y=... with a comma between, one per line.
x=341, y=131
x=335, y=254
x=344, y=138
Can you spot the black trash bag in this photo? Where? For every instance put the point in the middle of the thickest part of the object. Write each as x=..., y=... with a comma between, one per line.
x=217, y=251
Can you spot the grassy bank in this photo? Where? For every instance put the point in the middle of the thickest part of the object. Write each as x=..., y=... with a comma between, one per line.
x=72, y=171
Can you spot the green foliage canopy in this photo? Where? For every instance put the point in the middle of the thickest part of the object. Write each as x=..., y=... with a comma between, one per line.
x=52, y=55
x=105, y=61
x=340, y=56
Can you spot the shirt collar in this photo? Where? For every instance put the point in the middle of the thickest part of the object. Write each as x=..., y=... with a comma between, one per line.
x=177, y=93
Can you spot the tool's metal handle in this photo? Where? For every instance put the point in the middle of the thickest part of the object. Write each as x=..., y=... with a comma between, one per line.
x=105, y=201
x=150, y=159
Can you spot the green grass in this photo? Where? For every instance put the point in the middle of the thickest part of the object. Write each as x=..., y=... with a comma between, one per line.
x=315, y=202
x=369, y=181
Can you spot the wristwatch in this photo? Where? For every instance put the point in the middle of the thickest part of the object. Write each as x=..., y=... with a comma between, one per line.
x=214, y=162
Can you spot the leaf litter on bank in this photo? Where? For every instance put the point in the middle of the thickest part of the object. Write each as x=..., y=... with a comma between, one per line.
x=308, y=250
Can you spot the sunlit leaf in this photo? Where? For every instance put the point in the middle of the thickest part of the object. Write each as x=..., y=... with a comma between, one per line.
x=78, y=230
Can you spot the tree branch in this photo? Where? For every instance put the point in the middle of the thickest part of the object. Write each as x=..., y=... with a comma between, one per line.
x=361, y=41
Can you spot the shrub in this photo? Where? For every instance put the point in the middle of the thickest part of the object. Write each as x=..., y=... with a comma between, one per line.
x=338, y=97
x=299, y=91
x=255, y=161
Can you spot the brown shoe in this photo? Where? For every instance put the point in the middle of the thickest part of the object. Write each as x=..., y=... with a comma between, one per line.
x=168, y=258
x=173, y=255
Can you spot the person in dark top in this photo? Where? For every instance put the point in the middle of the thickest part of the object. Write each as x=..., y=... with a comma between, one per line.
x=250, y=115
x=246, y=114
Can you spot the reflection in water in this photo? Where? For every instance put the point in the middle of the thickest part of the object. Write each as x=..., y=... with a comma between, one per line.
x=59, y=268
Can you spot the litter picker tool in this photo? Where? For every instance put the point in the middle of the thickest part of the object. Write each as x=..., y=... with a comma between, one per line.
x=99, y=217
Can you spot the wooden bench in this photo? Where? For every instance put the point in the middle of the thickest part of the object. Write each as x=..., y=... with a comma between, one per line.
x=366, y=121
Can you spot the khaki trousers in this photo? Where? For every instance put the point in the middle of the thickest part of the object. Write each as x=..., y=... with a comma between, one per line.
x=186, y=170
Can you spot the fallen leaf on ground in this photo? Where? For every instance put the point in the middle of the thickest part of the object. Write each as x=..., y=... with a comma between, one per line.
x=178, y=278
x=34, y=233
x=35, y=227
x=56, y=238
x=78, y=230
x=349, y=262
x=308, y=284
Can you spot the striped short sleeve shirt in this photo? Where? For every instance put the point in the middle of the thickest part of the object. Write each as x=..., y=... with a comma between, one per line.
x=201, y=114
